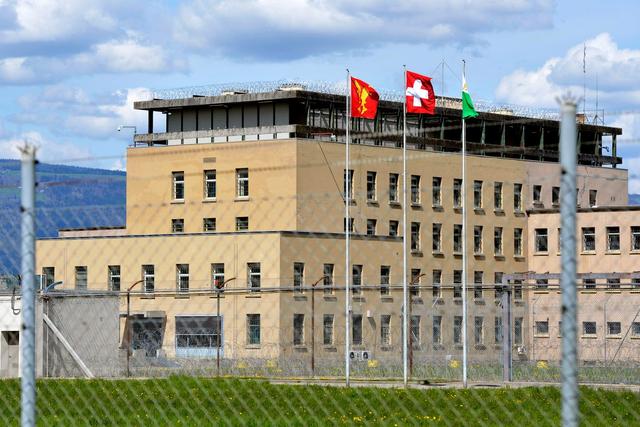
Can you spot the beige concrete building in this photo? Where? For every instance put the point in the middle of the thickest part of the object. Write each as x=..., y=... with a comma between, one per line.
x=248, y=189
x=608, y=244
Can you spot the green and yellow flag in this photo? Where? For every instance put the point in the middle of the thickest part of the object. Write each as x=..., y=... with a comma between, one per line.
x=468, y=109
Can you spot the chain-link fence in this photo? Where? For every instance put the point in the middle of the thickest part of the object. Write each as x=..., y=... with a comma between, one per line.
x=229, y=263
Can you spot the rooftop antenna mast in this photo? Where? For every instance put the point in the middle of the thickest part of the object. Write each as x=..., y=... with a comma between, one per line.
x=595, y=118
x=584, y=81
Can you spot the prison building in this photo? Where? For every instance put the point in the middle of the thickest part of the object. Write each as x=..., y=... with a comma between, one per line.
x=247, y=189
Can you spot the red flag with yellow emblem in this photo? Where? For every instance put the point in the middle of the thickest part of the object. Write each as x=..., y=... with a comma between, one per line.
x=364, y=99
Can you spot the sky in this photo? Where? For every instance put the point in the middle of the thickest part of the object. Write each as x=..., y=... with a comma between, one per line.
x=71, y=70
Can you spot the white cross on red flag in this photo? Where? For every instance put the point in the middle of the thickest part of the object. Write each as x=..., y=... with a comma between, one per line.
x=419, y=92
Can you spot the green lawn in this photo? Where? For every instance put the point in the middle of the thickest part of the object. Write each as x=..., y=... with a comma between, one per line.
x=192, y=401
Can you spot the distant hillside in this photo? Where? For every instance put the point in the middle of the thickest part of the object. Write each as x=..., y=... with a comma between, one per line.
x=67, y=197
x=634, y=199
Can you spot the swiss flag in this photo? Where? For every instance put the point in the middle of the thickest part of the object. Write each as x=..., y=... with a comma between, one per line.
x=364, y=99
x=421, y=98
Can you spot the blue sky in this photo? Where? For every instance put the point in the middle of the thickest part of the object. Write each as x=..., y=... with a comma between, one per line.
x=70, y=71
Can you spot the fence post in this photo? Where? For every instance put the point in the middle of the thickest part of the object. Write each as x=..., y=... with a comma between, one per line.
x=507, y=374
x=28, y=271
x=568, y=157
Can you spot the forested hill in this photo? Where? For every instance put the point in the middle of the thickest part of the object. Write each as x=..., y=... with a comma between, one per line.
x=66, y=197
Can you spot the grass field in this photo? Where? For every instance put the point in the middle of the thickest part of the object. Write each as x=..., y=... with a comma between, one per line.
x=191, y=401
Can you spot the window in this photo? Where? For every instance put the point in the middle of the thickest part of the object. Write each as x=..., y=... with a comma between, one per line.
x=385, y=330
x=414, y=331
x=477, y=194
x=242, y=180
x=327, y=280
x=81, y=277
x=371, y=227
x=385, y=273
x=542, y=284
x=48, y=276
x=457, y=283
x=635, y=238
x=298, y=329
x=437, y=329
x=197, y=335
x=560, y=328
x=457, y=329
x=347, y=184
x=577, y=197
x=209, y=224
x=350, y=225
x=393, y=187
x=478, y=330
x=497, y=281
x=253, y=276
x=593, y=198
x=588, y=239
x=497, y=196
x=555, y=196
x=517, y=241
x=177, y=225
x=182, y=277
x=613, y=283
x=517, y=289
x=210, y=184
x=436, y=191
x=457, y=238
x=497, y=241
x=414, y=286
x=542, y=240
x=178, y=185
x=356, y=329
x=457, y=193
x=217, y=275
x=356, y=278
x=253, y=329
x=327, y=329
x=589, y=283
x=497, y=330
x=242, y=223
x=372, y=194
x=478, y=279
x=635, y=282
x=517, y=330
x=537, y=194
x=148, y=278
x=114, y=277
x=589, y=328
x=477, y=239
x=635, y=329
x=614, y=328
x=613, y=238
x=517, y=197
x=415, y=236
x=436, y=279
x=298, y=276
x=393, y=228
x=415, y=189
x=542, y=327
x=437, y=238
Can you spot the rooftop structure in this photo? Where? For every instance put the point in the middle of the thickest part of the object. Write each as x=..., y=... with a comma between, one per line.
x=295, y=111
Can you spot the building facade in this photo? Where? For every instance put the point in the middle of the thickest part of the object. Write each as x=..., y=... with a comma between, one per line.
x=248, y=190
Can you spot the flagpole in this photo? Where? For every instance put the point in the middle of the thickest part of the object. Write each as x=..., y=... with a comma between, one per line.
x=347, y=261
x=464, y=244
x=405, y=320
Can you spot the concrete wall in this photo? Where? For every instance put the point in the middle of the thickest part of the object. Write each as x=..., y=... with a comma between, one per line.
x=90, y=325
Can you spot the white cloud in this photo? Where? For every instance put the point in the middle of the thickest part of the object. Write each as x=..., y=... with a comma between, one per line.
x=71, y=110
x=113, y=56
x=617, y=71
x=47, y=150
x=257, y=28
